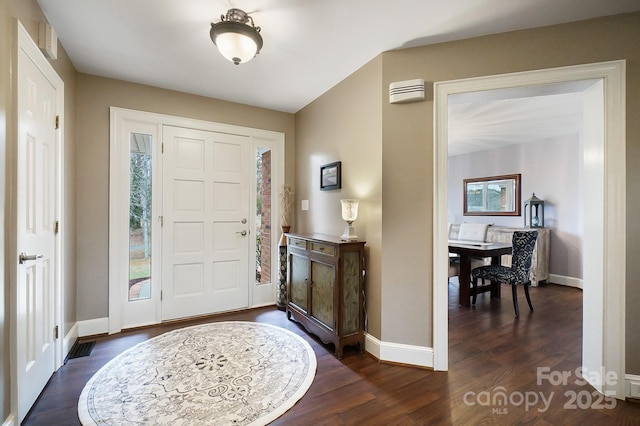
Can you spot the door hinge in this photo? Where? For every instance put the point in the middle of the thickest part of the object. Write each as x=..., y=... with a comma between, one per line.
x=57, y=227
x=162, y=148
x=56, y=332
x=57, y=122
x=161, y=219
x=161, y=295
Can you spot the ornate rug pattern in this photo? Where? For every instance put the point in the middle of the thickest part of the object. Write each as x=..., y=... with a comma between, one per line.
x=226, y=373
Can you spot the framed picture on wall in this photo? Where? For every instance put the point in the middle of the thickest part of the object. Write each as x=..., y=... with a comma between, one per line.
x=331, y=176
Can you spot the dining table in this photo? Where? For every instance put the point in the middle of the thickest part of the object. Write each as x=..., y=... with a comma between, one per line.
x=469, y=250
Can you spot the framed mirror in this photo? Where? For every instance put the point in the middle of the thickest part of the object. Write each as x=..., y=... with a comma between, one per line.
x=492, y=196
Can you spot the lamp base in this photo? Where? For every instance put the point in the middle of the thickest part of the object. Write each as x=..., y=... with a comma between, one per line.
x=348, y=234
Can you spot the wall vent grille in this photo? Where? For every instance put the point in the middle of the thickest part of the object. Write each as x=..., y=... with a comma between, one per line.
x=406, y=91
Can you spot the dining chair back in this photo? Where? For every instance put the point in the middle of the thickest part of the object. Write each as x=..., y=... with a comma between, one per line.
x=473, y=232
x=523, y=244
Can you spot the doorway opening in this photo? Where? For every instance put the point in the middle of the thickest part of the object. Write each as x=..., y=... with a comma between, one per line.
x=604, y=208
x=35, y=199
x=156, y=173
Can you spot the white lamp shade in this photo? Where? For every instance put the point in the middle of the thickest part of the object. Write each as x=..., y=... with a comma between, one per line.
x=349, y=209
x=236, y=47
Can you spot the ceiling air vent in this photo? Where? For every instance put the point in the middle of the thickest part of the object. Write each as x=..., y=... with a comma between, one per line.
x=406, y=91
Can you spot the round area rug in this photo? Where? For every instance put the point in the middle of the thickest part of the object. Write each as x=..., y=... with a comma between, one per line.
x=225, y=373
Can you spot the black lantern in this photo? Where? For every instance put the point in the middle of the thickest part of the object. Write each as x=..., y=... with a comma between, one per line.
x=534, y=213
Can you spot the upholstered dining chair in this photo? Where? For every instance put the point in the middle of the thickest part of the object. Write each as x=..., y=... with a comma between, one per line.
x=473, y=232
x=523, y=243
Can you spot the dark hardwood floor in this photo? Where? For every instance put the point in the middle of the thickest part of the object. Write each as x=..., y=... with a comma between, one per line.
x=491, y=354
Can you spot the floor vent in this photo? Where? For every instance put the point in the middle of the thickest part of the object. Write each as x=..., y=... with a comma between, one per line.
x=81, y=349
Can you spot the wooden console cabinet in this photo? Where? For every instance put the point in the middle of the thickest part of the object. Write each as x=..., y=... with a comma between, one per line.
x=325, y=279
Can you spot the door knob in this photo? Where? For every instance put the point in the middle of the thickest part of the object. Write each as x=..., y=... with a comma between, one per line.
x=25, y=257
x=243, y=233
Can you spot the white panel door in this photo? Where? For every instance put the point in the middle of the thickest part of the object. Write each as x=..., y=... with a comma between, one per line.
x=205, y=266
x=36, y=206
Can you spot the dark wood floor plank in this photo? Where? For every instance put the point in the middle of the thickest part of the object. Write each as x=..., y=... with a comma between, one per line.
x=489, y=350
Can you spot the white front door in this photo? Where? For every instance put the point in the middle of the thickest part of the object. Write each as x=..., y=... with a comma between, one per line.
x=206, y=224
x=36, y=231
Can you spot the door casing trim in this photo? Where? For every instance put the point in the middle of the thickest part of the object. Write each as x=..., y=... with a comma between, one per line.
x=117, y=117
x=611, y=336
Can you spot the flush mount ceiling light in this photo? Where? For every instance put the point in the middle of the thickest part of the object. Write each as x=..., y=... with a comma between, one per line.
x=236, y=39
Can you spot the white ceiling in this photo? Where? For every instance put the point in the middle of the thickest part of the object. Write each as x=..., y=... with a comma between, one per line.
x=498, y=118
x=309, y=45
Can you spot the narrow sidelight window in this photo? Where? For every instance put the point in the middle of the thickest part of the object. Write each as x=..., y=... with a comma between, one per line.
x=140, y=217
x=263, y=216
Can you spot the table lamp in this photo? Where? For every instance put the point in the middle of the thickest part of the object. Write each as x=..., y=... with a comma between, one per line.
x=349, y=215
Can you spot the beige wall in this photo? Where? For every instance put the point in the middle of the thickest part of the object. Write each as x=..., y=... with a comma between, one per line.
x=408, y=152
x=95, y=96
x=30, y=15
x=400, y=287
x=345, y=125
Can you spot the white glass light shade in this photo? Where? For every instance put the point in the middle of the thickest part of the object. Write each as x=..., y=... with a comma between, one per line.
x=349, y=209
x=236, y=47
x=349, y=215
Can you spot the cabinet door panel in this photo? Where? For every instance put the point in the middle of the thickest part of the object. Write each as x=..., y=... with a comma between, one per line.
x=351, y=293
x=323, y=277
x=299, y=281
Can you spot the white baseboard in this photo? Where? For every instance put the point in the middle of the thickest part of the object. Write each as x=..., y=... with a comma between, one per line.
x=93, y=327
x=421, y=356
x=10, y=421
x=263, y=305
x=69, y=339
x=632, y=386
x=399, y=353
x=563, y=280
x=384, y=351
x=372, y=345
